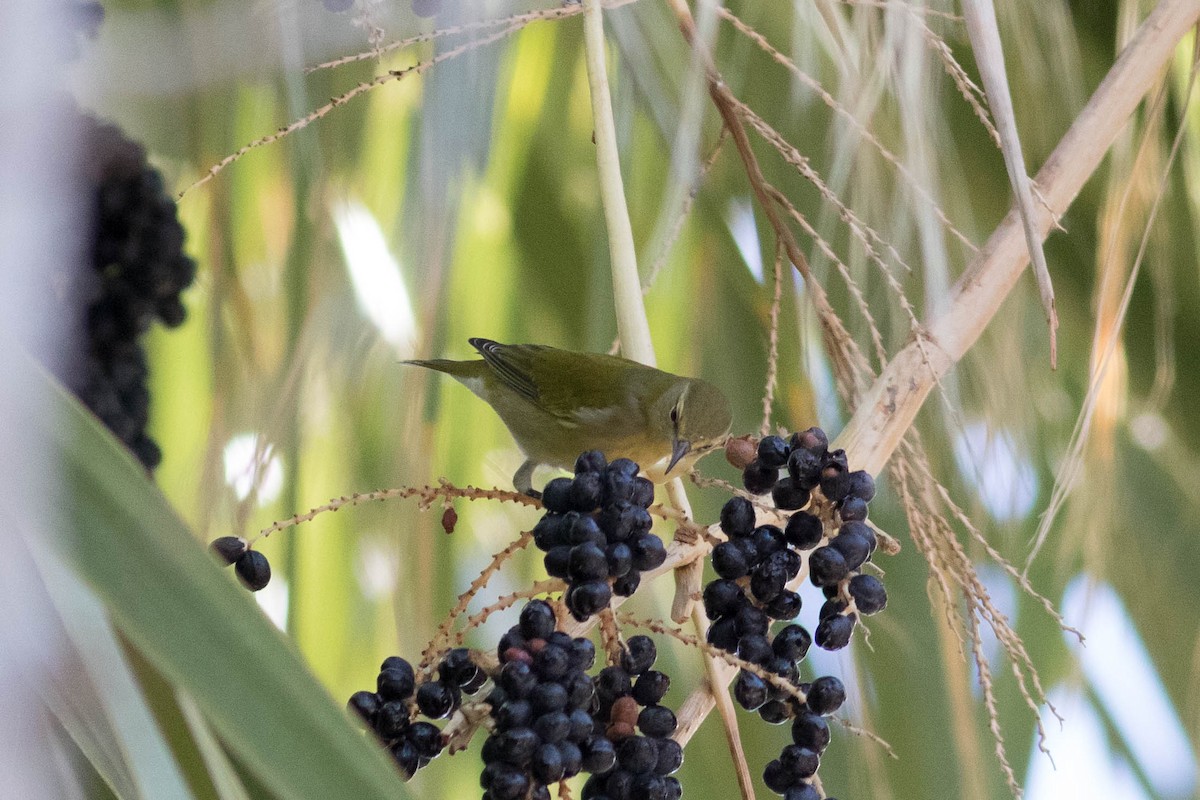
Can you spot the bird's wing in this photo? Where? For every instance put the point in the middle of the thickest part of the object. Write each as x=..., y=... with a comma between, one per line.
x=591, y=394
x=512, y=364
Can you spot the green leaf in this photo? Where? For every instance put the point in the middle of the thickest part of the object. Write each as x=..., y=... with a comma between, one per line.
x=200, y=630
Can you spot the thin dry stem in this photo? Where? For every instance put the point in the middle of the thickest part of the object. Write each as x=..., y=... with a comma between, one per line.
x=773, y=343
x=427, y=496
x=341, y=99
x=863, y=131
x=993, y=712
x=437, y=643
x=559, y=12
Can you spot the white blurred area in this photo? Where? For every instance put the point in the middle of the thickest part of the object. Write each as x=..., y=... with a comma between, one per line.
x=1122, y=737
x=35, y=207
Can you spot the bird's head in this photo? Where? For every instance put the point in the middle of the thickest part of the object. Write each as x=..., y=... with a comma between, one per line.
x=695, y=416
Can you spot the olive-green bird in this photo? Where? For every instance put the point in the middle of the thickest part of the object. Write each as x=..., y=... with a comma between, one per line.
x=558, y=403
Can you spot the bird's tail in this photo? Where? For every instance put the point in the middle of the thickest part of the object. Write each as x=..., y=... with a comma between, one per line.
x=459, y=369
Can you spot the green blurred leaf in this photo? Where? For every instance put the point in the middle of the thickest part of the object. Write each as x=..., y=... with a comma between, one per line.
x=195, y=626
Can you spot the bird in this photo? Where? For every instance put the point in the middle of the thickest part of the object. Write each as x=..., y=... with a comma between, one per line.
x=559, y=403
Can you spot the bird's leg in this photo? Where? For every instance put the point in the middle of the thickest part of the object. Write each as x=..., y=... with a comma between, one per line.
x=523, y=479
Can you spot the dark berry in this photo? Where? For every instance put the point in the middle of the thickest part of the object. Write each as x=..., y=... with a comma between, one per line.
x=854, y=549
x=789, y=495
x=517, y=678
x=862, y=485
x=777, y=778
x=426, y=738
x=618, y=489
x=627, y=584
x=804, y=467
x=869, y=595
x=620, y=784
x=674, y=788
x=751, y=620
x=552, y=727
x=619, y=558
x=826, y=695
x=624, y=466
x=775, y=712
x=584, y=528
x=640, y=654
x=365, y=704
x=650, y=687
x=572, y=758
x=513, y=714
x=772, y=451
x=395, y=683
x=786, y=605
x=767, y=539
x=803, y=531
x=557, y=561
x=586, y=492
x=827, y=566
x=648, y=552
x=800, y=761
x=406, y=756
x=590, y=461
x=749, y=690
x=508, y=784
x=599, y=755
x=657, y=722
x=228, y=548
x=649, y=787
x=723, y=634
x=637, y=755
x=834, y=633
x=253, y=570
x=587, y=599
x=810, y=730
x=722, y=597
x=588, y=563
x=853, y=509
x=812, y=439
x=457, y=668
x=581, y=725
x=769, y=578
x=755, y=648
x=546, y=765
x=792, y=642
x=861, y=529
x=516, y=746
x=556, y=495
x=612, y=682
x=831, y=607
x=802, y=791
x=728, y=561
x=643, y=492
x=580, y=690
x=670, y=757
x=759, y=478
x=436, y=699
x=551, y=662
x=737, y=517
x=537, y=620
x=583, y=654
x=549, y=532
x=547, y=697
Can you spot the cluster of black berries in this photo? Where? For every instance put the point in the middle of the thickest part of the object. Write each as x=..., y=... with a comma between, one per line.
x=645, y=763
x=388, y=712
x=541, y=706
x=834, y=566
x=252, y=567
x=789, y=774
x=457, y=673
x=755, y=567
x=596, y=532
x=135, y=270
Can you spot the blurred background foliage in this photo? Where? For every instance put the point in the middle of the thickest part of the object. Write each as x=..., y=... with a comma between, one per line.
x=464, y=202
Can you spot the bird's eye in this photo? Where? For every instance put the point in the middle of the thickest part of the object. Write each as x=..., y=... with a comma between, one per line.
x=674, y=415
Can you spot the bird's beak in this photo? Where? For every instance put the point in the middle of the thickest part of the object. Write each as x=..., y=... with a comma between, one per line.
x=679, y=449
